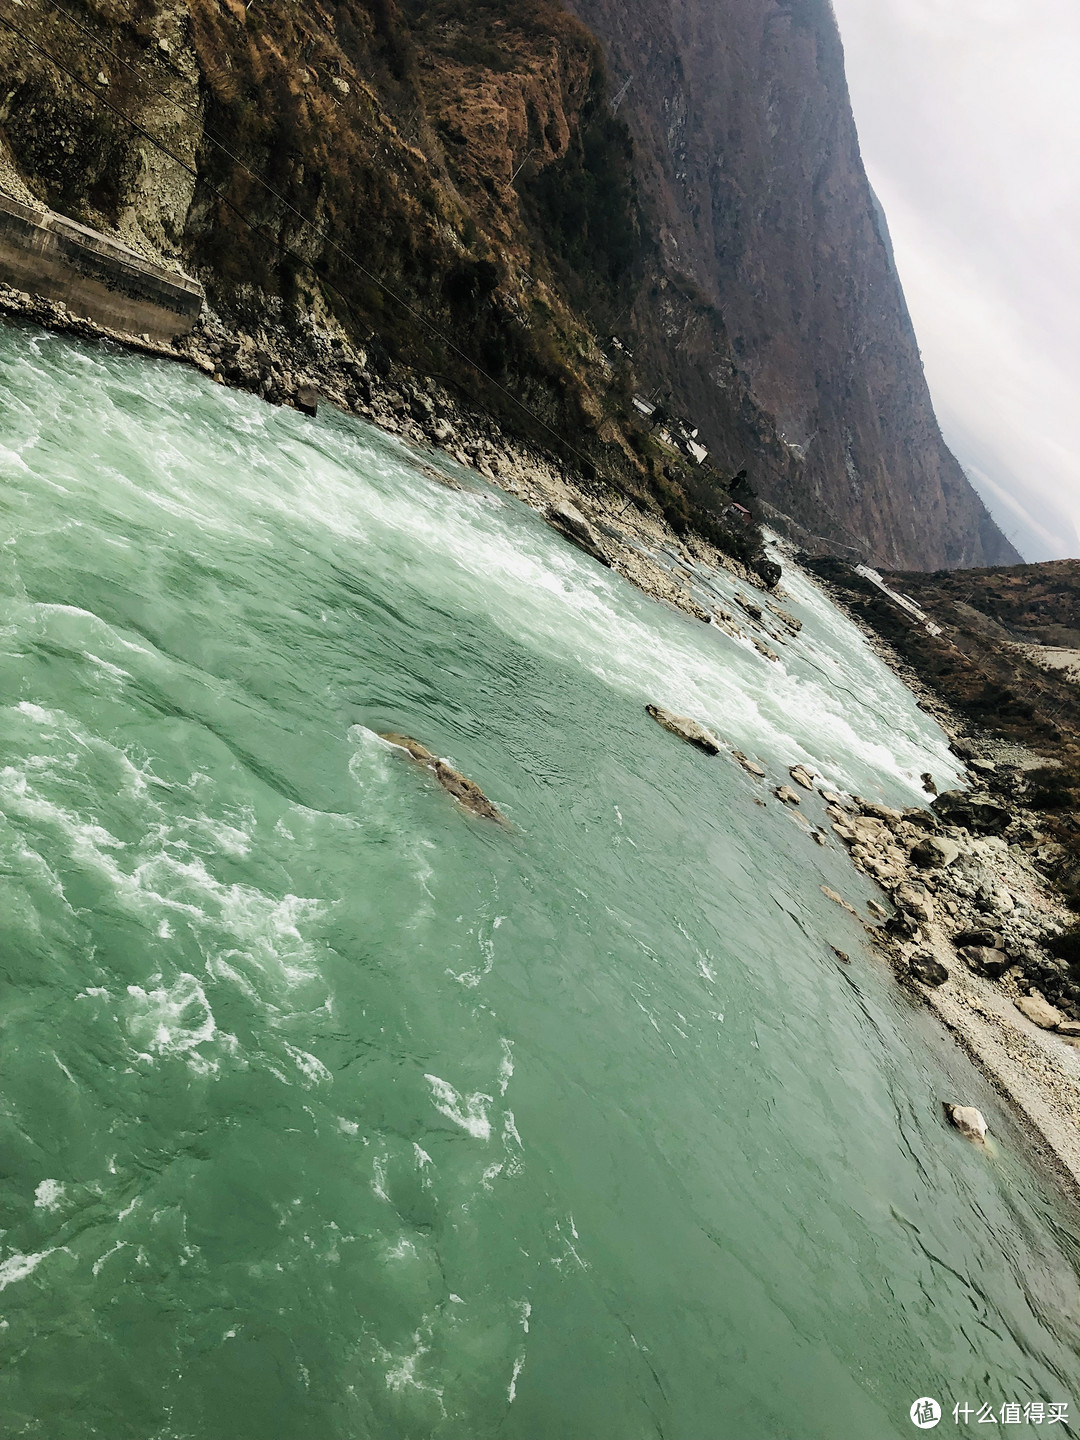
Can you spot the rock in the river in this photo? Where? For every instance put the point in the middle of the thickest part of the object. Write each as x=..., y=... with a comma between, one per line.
x=750, y=766
x=462, y=789
x=831, y=894
x=968, y=1121
x=686, y=729
x=926, y=968
x=801, y=776
x=786, y=794
x=1071, y=1028
x=935, y=852
x=1039, y=1011
x=306, y=400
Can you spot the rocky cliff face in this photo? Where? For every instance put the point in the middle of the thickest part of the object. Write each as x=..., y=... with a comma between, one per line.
x=446, y=179
x=750, y=164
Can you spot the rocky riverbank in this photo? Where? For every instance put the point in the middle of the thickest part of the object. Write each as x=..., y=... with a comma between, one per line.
x=977, y=909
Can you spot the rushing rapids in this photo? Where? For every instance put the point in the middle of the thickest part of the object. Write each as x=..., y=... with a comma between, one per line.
x=330, y=1108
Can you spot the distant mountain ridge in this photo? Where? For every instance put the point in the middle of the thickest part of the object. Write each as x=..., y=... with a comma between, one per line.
x=751, y=167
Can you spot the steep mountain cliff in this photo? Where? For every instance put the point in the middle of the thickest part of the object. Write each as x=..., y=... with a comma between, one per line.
x=750, y=164
x=447, y=180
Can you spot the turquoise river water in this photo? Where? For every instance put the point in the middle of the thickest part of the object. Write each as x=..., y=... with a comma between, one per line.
x=330, y=1111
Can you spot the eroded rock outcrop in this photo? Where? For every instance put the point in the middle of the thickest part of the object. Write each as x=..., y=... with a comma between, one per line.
x=686, y=729
x=464, y=791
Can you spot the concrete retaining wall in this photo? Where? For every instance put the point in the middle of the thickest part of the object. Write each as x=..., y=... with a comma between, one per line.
x=95, y=277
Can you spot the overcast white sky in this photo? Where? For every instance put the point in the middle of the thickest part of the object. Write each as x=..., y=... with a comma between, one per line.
x=969, y=118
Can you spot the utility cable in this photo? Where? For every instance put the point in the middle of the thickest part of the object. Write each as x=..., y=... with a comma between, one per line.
x=347, y=255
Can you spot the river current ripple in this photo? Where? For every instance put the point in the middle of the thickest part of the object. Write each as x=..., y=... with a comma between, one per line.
x=330, y=1111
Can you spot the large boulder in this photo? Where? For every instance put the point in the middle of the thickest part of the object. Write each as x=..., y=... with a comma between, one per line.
x=569, y=521
x=968, y=1121
x=926, y=968
x=980, y=813
x=985, y=960
x=935, y=852
x=921, y=819
x=994, y=899
x=686, y=729
x=915, y=901
x=990, y=938
x=886, y=813
x=767, y=571
x=1039, y=1011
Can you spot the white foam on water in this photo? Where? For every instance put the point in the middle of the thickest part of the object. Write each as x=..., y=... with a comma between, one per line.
x=241, y=929
x=519, y=1365
x=401, y=1375
x=49, y=1195
x=470, y=1112
x=548, y=595
x=506, y=1064
x=312, y=1070
x=378, y=1184
x=115, y=671
x=98, y=1264
x=18, y=1267
x=173, y=1021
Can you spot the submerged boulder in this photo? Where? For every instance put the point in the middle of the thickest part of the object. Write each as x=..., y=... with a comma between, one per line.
x=968, y=1121
x=686, y=729
x=464, y=791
